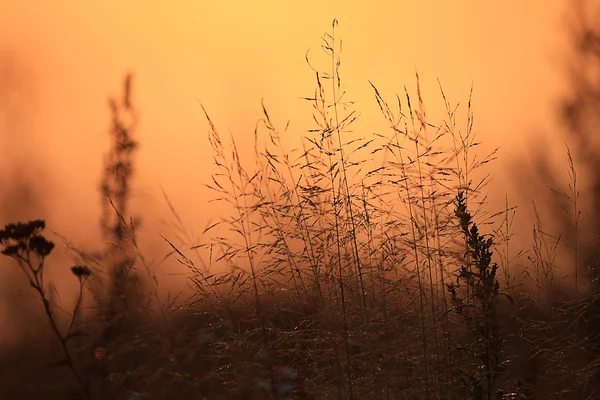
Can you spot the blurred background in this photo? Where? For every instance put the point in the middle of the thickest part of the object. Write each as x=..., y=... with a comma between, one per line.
x=60, y=61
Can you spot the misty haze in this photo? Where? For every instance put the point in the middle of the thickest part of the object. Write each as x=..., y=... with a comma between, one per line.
x=309, y=200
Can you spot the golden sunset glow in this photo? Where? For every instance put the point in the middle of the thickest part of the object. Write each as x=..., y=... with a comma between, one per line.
x=60, y=62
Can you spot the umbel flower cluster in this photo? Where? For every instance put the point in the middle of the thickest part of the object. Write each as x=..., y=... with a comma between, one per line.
x=25, y=243
x=20, y=238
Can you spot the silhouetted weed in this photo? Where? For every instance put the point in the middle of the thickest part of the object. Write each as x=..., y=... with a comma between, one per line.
x=24, y=243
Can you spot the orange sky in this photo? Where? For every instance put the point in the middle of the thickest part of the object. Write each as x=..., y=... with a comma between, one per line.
x=60, y=60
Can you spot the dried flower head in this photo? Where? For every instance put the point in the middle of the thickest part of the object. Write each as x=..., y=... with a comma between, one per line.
x=40, y=245
x=81, y=271
x=21, y=231
x=22, y=237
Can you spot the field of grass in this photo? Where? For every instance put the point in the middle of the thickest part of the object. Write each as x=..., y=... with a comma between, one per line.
x=355, y=266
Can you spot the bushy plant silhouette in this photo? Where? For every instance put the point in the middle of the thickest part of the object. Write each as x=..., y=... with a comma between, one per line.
x=479, y=307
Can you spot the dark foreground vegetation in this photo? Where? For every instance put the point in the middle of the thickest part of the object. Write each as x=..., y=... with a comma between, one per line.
x=340, y=278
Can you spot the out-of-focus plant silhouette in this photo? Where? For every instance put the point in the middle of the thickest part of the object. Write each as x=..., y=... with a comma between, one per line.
x=580, y=113
x=565, y=266
x=122, y=283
